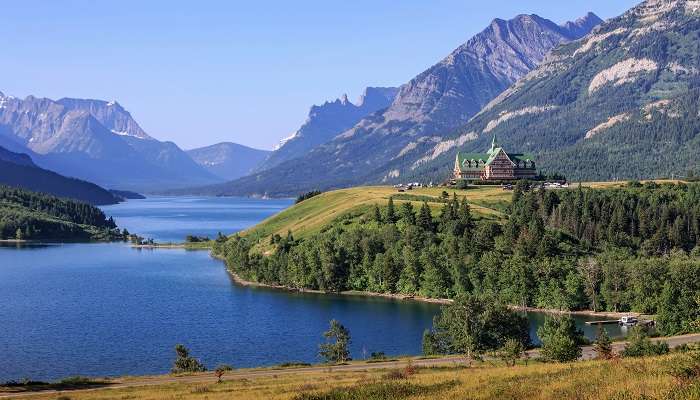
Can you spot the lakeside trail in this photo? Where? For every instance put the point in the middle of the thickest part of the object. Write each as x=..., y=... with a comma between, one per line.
x=209, y=377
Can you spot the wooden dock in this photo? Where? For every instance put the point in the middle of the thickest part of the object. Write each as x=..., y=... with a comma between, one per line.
x=603, y=322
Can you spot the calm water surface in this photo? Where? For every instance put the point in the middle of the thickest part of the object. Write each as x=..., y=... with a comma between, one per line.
x=109, y=309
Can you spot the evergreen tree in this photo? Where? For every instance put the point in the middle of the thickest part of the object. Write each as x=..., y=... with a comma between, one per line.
x=377, y=214
x=390, y=212
x=336, y=349
x=603, y=345
x=425, y=218
x=561, y=340
x=407, y=213
x=184, y=363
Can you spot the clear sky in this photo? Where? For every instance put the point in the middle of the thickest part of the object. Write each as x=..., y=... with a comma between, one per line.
x=201, y=72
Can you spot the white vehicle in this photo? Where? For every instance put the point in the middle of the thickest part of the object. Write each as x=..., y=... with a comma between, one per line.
x=628, y=320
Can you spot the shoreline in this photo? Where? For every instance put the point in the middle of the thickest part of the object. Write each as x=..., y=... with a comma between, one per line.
x=402, y=297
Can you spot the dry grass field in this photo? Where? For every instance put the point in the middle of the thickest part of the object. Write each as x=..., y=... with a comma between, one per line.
x=646, y=378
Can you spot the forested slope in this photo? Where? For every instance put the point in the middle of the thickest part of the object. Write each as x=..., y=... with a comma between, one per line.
x=621, y=249
x=28, y=215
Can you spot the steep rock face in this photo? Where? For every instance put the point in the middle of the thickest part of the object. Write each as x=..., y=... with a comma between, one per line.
x=326, y=121
x=622, y=103
x=95, y=140
x=110, y=114
x=427, y=109
x=227, y=160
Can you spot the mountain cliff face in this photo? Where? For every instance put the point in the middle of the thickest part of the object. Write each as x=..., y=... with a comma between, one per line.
x=621, y=103
x=228, y=161
x=326, y=121
x=18, y=170
x=94, y=140
x=427, y=109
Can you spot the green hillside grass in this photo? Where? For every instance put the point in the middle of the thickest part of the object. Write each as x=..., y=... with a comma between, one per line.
x=310, y=216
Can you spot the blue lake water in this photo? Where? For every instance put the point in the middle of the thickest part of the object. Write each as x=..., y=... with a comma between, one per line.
x=109, y=309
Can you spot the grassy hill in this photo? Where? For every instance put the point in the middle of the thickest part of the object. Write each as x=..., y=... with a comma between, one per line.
x=310, y=216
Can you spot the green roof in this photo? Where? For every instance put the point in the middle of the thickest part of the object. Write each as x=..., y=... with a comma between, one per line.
x=488, y=157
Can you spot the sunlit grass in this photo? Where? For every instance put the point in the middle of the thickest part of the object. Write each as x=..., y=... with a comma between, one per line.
x=308, y=217
x=648, y=378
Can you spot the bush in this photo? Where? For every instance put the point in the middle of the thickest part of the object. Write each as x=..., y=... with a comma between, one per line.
x=511, y=351
x=561, y=340
x=184, y=363
x=220, y=370
x=639, y=345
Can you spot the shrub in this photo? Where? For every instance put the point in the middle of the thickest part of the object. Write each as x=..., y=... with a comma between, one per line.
x=639, y=345
x=184, y=363
x=220, y=370
x=511, y=351
x=561, y=340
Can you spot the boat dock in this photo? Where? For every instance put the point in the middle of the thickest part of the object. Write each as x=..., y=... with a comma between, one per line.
x=603, y=322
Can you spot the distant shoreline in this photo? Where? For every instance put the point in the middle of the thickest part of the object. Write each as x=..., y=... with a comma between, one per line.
x=242, y=282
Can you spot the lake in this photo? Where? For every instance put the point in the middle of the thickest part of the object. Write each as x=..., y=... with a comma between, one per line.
x=109, y=309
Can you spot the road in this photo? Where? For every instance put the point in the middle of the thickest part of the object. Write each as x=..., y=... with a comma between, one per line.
x=119, y=383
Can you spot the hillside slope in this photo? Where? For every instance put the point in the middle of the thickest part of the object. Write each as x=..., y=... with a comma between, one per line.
x=18, y=170
x=27, y=215
x=426, y=109
x=622, y=103
x=310, y=216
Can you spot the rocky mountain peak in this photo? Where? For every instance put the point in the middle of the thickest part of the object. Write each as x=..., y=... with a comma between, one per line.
x=582, y=26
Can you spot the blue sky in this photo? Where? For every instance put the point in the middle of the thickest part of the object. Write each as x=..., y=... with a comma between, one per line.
x=201, y=72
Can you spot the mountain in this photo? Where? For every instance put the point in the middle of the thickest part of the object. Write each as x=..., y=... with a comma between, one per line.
x=326, y=121
x=18, y=170
x=228, y=161
x=621, y=103
x=427, y=109
x=94, y=140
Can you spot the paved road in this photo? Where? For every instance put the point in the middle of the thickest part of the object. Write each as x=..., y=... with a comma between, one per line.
x=209, y=377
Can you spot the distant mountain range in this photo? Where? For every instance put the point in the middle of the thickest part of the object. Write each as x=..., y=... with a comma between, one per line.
x=227, y=160
x=18, y=170
x=95, y=140
x=623, y=103
x=327, y=121
x=425, y=111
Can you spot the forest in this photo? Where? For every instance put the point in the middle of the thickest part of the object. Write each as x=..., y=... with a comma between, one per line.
x=624, y=249
x=26, y=215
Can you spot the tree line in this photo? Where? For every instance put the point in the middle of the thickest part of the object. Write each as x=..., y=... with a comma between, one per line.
x=624, y=249
x=31, y=215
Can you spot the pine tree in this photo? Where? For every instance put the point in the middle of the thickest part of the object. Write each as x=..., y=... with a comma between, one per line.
x=603, y=345
x=377, y=214
x=407, y=213
x=390, y=212
x=336, y=349
x=425, y=218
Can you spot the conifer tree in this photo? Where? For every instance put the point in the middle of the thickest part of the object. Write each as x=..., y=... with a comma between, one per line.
x=390, y=212
x=603, y=345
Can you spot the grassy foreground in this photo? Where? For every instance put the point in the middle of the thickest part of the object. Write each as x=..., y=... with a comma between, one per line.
x=645, y=378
